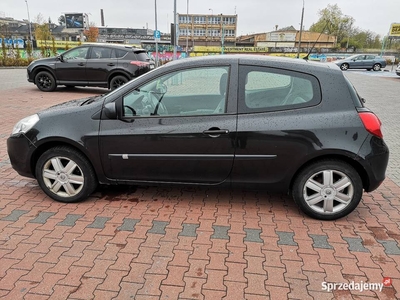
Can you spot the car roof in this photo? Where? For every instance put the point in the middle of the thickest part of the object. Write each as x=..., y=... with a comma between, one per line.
x=272, y=61
x=114, y=45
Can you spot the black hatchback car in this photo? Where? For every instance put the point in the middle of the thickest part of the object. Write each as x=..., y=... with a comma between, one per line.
x=242, y=121
x=99, y=65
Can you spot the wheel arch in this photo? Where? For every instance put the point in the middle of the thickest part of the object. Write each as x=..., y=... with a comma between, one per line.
x=117, y=73
x=51, y=144
x=38, y=69
x=354, y=163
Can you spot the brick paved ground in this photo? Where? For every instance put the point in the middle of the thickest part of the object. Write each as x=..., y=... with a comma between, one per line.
x=183, y=243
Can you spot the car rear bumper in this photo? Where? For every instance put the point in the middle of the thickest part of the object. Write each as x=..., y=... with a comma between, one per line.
x=376, y=157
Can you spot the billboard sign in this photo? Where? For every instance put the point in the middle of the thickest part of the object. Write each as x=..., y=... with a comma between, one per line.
x=74, y=21
x=394, y=30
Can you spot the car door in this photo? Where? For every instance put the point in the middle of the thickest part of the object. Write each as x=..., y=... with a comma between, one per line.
x=270, y=130
x=99, y=64
x=359, y=62
x=178, y=127
x=369, y=61
x=72, y=68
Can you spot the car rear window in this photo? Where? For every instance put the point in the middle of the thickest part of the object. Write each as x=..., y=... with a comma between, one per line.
x=142, y=56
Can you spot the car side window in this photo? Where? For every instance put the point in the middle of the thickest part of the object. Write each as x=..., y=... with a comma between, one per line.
x=267, y=89
x=76, y=53
x=119, y=53
x=100, y=53
x=190, y=92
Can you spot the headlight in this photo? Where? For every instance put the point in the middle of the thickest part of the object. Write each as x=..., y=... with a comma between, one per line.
x=25, y=124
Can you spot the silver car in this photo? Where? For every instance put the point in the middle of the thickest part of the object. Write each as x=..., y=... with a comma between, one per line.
x=362, y=61
x=398, y=69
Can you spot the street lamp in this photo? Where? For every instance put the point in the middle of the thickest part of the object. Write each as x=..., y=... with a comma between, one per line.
x=212, y=12
x=301, y=30
x=29, y=20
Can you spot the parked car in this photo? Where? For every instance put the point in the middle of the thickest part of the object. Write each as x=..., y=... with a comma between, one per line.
x=100, y=65
x=398, y=69
x=235, y=120
x=362, y=61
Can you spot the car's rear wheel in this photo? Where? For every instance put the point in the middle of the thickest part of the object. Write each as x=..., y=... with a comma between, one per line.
x=117, y=81
x=327, y=189
x=344, y=67
x=45, y=81
x=65, y=174
x=376, y=67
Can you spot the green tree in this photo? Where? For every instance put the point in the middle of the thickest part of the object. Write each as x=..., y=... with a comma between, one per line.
x=29, y=49
x=53, y=46
x=3, y=50
x=332, y=21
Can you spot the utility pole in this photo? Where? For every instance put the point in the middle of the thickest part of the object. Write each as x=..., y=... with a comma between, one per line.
x=29, y=20
x=155, y=12
x=174, y=57
x=301, y=30
x=187, y=28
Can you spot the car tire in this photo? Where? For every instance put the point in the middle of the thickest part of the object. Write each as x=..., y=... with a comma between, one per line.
x=376, y=67
x=344, y=67
x=117, y=81
x=45, y=81
x=368, y=69
x=317, y=192
x=65, y=174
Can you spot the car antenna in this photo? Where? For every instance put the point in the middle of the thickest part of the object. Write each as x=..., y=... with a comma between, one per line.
x=312, y=47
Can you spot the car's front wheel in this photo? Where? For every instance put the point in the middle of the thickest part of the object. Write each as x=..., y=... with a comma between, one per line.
x=344, y=67
x=117, y=81
x=65, y=174
x=327, y=189
x=45, y=81
x=376, y=67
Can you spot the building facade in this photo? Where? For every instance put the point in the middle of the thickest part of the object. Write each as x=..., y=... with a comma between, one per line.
x=206, y=30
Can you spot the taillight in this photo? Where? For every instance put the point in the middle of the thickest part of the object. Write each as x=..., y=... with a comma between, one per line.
x=371, y=123
x=139, y=63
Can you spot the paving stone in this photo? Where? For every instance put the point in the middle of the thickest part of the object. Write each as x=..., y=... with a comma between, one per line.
x=99, y=222
x=391, y=247
x=320, y=241
x=253, y=235
x=220, y=232
x=15, y=215
x=128, y=225
x=158, y=227
x=189, y=230
x=42, y=217
x=286, y=238
x=355, y=244
x=70, y=220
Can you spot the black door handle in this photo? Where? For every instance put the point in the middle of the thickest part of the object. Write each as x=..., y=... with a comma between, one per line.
x=81, y=64
x=110, y=64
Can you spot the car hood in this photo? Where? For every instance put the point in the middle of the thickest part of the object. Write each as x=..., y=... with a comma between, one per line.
x=73, y=103
x=44, y=61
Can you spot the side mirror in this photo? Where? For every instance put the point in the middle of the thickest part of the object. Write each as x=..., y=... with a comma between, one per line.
x=60, y=58
x=110, y=110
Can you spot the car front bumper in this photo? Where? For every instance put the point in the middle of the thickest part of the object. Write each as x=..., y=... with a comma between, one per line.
x=20, y=151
